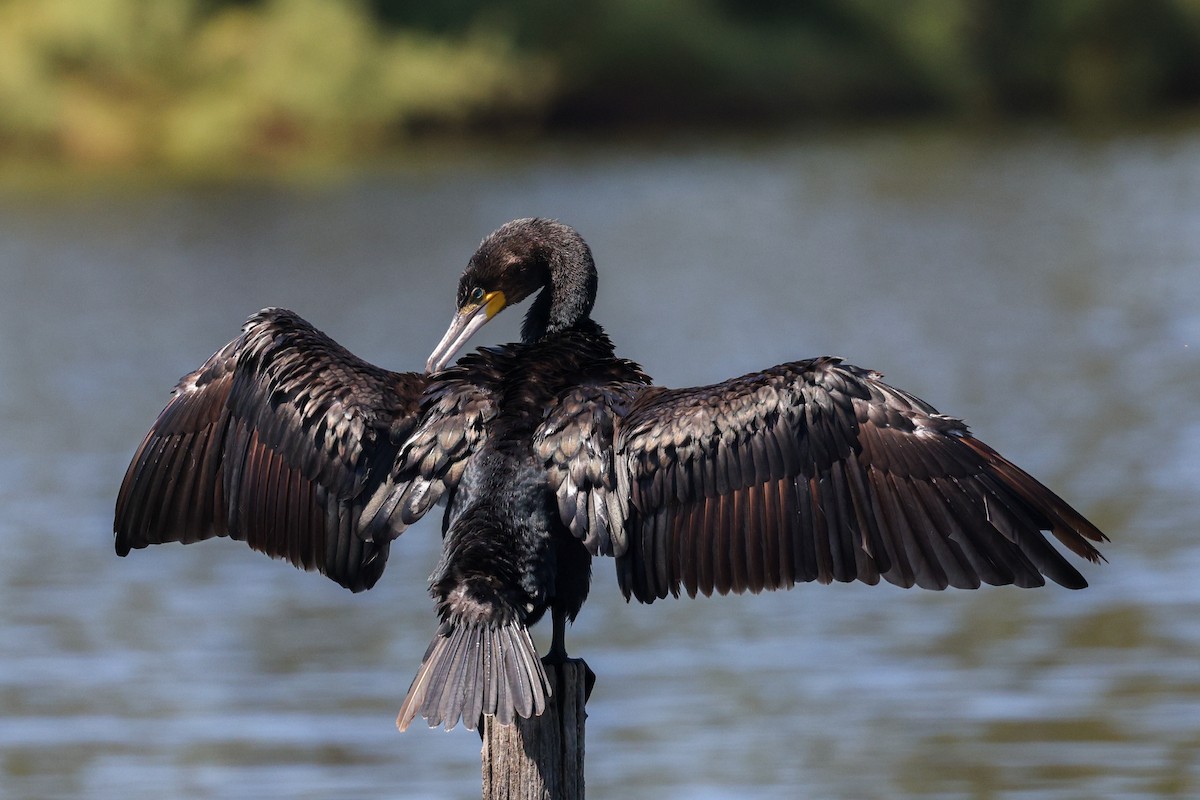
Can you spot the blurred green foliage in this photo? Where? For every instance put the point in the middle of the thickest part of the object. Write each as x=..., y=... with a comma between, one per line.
x=198, y=82
x=182, y=82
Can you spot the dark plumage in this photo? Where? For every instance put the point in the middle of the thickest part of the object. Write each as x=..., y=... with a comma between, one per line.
x=553, y=450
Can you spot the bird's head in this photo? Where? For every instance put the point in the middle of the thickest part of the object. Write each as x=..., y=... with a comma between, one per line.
x=512, y=263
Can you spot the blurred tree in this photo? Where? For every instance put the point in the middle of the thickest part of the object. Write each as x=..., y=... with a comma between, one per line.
x=1088, y=56
x=199, y=82
x=186, y=82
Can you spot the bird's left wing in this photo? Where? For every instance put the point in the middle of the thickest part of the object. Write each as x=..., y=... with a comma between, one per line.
x=457, y=407
x=276, y=440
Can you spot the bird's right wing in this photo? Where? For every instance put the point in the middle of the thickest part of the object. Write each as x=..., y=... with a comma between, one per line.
x=277, y=440
x=818, y=470
x=575, y=445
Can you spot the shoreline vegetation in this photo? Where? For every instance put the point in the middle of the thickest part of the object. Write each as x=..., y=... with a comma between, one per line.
x=217, y=85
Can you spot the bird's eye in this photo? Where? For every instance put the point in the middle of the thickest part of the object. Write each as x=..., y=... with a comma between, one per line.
x=477, y=295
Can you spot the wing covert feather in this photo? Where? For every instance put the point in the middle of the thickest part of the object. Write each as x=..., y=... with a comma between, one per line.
x=458, y=406
x=575, y=444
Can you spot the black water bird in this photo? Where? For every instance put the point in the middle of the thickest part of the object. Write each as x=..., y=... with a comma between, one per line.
x=552, y=450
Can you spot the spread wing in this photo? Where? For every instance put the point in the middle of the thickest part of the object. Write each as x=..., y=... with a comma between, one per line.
x=277, y=440
x=817, y=470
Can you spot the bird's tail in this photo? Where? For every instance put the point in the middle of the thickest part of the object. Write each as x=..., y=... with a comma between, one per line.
x=472, y=669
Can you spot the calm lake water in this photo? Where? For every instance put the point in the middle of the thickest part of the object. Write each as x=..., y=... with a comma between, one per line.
x=1044, y=287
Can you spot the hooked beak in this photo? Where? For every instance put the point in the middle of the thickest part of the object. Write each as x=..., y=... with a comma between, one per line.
x=468, y=320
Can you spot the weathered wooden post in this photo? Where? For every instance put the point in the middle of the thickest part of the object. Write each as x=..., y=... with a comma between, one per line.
x=541, y=758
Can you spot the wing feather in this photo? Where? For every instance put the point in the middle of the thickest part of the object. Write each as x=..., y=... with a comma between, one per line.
x=458, y=405
x=276, y=440
x=817, y=470
x=575, y=445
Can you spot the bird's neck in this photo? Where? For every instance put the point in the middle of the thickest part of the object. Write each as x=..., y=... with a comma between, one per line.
x=564, y=301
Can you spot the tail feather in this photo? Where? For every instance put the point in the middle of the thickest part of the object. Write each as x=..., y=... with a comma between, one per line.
x=471, y=670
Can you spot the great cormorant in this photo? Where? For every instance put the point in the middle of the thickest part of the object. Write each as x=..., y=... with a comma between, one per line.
x=553, y=450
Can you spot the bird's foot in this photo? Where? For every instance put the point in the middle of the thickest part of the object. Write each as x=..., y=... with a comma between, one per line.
x=558, y=657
